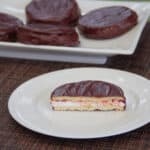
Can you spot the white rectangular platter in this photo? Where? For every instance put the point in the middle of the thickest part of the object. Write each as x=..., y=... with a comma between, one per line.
x=89, y=51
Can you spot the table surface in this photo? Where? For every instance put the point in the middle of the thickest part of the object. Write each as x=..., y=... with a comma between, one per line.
x=13, y=72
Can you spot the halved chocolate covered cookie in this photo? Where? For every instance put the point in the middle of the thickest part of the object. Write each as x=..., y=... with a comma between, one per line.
x=107, y=22
x=88, y=96
x=64, y=12
x=42, y=34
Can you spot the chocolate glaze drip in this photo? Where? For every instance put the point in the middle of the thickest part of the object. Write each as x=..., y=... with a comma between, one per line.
x=89, y=89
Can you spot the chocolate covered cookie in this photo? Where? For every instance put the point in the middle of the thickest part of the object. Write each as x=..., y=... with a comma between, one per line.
x=41, y=34
x=64, y=12
x=8, y=27
x=89, y=96
x=107, y=22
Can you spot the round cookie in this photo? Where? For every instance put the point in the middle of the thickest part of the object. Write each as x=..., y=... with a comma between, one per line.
x=107, y=22
x=64, y=12
x=41, y=34
x=8, y=27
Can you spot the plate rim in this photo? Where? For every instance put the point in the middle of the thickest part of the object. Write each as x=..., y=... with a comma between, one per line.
x=40, y=131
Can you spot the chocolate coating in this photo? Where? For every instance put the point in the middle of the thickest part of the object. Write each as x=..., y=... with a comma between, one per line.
x=64, y=12
x=8, y=27
x=107, y=22
x=42, y=34
x=88, y=89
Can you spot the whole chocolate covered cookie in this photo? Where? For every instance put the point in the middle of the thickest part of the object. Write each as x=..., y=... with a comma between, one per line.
x=8, y=27
x=42, y=34
x=107, y=22
x=65, y=12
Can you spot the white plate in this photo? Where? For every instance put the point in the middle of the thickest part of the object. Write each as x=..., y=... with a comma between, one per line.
x=90, y=51
x=30, y=106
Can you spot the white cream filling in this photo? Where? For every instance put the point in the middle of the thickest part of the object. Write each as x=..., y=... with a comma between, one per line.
x=66, y=104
